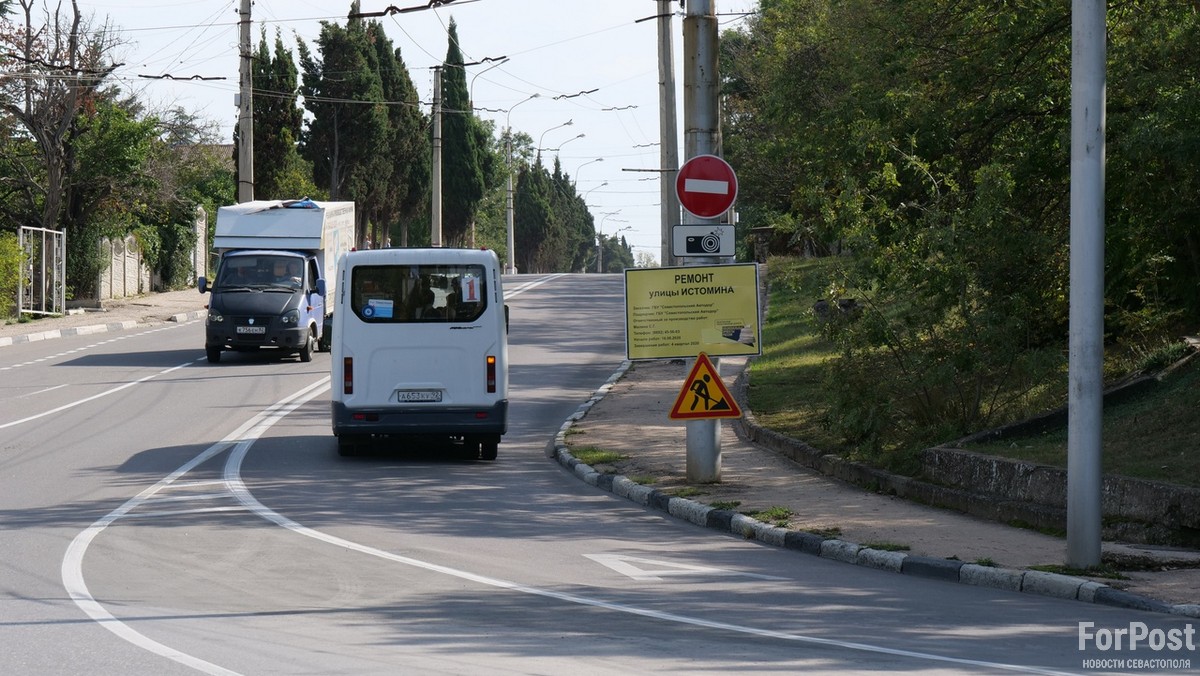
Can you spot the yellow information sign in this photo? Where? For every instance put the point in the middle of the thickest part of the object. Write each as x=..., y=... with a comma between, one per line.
x=704, y=395
x=683, y=311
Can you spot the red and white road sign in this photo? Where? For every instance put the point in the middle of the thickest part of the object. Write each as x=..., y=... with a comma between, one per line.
x=706, y=186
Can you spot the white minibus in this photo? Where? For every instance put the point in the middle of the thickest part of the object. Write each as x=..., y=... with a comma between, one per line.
x=420, y=348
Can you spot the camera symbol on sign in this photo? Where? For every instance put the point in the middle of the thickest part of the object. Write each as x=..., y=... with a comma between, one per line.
x=703, y=244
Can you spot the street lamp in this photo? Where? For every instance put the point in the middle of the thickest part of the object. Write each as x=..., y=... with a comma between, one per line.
x=543, y=136
x=585, y=195
x=510, y=266
x=573, y=138
x=600, y=238
x=598, y=159
x=471, y=89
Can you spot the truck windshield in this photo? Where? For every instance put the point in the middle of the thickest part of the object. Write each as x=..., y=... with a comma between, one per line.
x=418, y=293
x=259, y=271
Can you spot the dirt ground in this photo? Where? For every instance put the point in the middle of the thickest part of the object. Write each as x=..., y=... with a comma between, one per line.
x=632, y=419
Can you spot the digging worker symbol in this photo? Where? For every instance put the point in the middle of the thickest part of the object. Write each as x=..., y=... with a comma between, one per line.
x=699, y=390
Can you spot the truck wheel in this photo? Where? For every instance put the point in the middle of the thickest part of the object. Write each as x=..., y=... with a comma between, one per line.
x=213, y=354
x=310, y=346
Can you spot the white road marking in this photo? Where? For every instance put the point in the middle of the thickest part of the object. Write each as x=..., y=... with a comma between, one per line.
x=653, y=570
x=105, y=393
x=72, y=565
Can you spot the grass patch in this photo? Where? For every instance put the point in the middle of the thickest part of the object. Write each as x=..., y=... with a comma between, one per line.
x=985, y=561
x=596, y=456
x=731, y=504
x=1153, y=436
x=643, y=479
x=776, y=516
x=887, y=546
x=827, y=533
x=688, y=492
x=787, y=383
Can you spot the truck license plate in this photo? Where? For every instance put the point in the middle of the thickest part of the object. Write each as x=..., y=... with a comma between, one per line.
x=418, y=395
x=251, y=329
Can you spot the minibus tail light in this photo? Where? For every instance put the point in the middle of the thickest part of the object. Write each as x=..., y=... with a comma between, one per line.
x=348, y=375
x=491, y=374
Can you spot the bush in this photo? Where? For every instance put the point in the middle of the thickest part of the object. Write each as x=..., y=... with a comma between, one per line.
x=10, y=274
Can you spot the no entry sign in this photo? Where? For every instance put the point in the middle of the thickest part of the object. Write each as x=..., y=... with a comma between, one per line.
x=706, y=186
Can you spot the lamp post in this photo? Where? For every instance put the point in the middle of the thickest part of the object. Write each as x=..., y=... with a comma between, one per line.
x=598, y=159
x=543, y=136
x=471, y=89
x=510, y=266
x=585, y=195
x=573, y=138
x=600, y=239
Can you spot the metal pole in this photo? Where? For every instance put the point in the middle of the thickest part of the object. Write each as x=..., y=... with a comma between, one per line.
x=1085, y=407
x=245, y=109
x=668, y=131
x=435, y=237
x=510, y=266
x=702, y=135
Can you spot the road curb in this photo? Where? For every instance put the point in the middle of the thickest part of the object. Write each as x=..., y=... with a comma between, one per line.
x=97, y=328
x=952, y=570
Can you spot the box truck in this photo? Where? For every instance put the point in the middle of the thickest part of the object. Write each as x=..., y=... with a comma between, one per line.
x=420, y=349
x=275, y=276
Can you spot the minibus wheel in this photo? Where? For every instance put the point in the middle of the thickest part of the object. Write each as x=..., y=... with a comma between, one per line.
x=488, y=449
x=348, y=445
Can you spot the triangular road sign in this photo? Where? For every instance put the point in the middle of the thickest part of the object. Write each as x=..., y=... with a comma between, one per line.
x=704, y=395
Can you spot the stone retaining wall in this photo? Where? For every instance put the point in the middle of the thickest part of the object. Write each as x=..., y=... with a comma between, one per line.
x=1009, y=491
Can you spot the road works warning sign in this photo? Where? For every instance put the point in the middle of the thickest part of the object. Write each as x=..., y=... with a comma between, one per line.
x=683, y=311
x=704, y=395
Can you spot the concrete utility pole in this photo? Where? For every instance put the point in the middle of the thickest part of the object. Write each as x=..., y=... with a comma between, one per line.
x=245, y=108
x=1085, y=404
x=702, y=136
x=435, y=236
x=668, y=131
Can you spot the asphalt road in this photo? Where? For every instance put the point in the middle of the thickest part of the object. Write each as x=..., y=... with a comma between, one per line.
x=159, y=514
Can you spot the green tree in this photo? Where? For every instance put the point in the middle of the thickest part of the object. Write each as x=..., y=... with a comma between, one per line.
x=464, y=143
x=349, y=124
x=401, y=186
x=279, y=171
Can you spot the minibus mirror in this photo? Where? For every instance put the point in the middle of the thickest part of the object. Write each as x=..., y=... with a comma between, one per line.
x=202, y=284
x=506, y=318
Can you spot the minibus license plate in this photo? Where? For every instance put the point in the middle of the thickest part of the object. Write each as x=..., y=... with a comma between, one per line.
x=251, y=329
x=418, y=395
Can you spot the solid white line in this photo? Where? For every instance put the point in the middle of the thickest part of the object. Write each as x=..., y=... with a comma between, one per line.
x=180, y=512
x=526, y=286
x=96, y=396
x=72, y=565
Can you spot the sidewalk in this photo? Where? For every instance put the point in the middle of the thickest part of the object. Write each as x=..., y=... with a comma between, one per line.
x=629, y=415
x=115, y=315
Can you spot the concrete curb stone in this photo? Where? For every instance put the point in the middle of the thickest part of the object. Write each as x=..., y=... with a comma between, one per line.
x=1026, y=581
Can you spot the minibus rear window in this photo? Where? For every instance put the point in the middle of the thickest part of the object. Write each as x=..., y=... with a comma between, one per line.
x=401, y=294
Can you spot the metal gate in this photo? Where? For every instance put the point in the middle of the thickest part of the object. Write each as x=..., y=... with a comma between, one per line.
x=43, y=287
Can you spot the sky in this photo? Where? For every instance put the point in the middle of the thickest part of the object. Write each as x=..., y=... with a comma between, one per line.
x=555, y=49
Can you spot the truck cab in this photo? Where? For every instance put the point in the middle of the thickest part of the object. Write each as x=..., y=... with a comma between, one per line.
x=262, y=298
